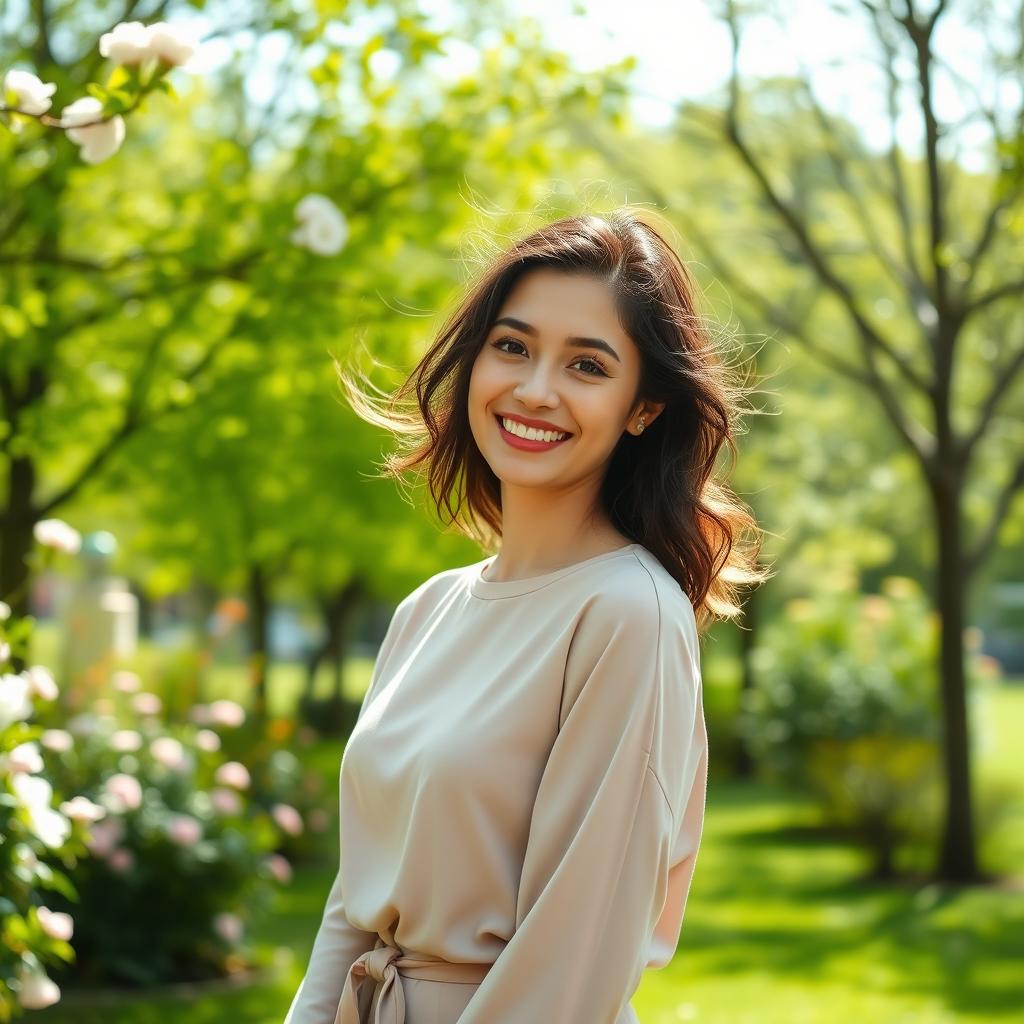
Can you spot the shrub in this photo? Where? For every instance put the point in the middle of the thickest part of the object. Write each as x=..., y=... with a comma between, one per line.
x=846, y=708
x=181, y=858
x=38, y=840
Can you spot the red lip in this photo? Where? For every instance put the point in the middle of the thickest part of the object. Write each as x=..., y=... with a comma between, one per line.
x=539, y=424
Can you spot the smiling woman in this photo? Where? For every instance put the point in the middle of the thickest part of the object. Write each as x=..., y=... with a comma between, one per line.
x=587, y=327
x=522, y=797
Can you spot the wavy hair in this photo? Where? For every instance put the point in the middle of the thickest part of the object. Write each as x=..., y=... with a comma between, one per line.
x=659, y=488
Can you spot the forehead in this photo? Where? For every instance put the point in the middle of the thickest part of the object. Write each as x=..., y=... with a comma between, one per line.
x=561, y=304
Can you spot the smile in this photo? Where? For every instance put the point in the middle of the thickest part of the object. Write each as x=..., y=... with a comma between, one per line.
x=528, y=443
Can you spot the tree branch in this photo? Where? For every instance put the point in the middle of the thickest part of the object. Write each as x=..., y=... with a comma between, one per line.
x=871, y=341
x=1003, y=378
x=921, y=442
x=1002, y=291
x=979, y=553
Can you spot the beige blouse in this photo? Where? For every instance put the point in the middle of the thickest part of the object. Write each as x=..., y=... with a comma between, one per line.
x=524, y=792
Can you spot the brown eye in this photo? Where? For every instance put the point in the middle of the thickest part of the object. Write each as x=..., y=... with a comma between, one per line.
x=601, y=370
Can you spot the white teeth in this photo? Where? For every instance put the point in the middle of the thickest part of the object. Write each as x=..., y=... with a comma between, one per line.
x=531, y=433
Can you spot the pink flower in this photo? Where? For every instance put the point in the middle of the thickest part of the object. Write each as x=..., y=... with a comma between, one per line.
x=169, y=752
x=55, y=924
x=125, y=741
x=126, y=682
x=287, y=818
x=207, y=740
x=226, y=713
x=228, y=927
x=37, y=990
x=147, y=703
x=58, y=740
x=200, y=714
x=80, y=808
x=104, y=836
x=232, y=773
x=123, y=792
x=121, y=860
x=279, y=868
x=225, y=801
x=184, y=830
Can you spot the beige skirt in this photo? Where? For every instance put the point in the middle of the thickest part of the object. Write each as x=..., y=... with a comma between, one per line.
x=429, y=1002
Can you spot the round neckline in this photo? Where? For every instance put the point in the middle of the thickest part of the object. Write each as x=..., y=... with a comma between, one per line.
x=481, y=587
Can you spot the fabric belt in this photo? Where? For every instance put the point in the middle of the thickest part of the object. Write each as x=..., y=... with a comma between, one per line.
x=388, y=964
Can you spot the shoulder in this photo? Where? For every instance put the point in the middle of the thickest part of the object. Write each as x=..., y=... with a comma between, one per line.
x=639, y=595
x=431, y=591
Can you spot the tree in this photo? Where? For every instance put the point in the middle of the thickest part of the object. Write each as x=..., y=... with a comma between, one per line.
x=917, y=273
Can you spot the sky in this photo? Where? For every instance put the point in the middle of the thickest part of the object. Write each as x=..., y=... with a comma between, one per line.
x=684, y=52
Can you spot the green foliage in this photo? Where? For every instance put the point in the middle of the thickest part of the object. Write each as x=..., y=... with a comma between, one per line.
x=37, y=844
x=845, y=706
x=181, y=854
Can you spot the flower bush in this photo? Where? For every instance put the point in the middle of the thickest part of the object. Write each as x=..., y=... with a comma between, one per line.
x=38, y=841
x=181, y=857
x=846, y=706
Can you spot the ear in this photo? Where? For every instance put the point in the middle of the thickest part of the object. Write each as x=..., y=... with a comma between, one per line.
x=650, y=412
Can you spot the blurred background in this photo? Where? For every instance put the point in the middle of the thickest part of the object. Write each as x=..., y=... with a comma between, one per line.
x=205, y=204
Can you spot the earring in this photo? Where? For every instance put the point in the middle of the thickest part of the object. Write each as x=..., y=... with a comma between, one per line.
x=640, y=426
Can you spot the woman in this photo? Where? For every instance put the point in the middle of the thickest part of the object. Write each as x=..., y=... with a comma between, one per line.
x=523, y=795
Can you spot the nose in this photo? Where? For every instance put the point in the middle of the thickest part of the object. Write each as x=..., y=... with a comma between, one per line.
x=535, y=388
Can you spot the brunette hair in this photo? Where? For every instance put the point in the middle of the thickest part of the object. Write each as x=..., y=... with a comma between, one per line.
x=659, y=489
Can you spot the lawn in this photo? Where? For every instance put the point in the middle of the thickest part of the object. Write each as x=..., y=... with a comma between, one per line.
x=777, y=930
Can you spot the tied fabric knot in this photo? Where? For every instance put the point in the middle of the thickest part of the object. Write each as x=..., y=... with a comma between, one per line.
x=385, y=964
x=379, y=965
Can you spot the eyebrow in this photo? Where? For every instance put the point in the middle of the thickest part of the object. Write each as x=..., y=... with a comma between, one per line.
x=575, y=342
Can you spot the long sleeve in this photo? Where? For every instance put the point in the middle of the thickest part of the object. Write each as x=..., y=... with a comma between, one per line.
x=610, y=846
x=337, y=944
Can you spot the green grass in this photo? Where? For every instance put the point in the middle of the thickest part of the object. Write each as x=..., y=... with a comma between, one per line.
x=778, y=930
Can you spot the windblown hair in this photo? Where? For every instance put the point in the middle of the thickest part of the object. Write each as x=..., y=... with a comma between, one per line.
x=659, y=488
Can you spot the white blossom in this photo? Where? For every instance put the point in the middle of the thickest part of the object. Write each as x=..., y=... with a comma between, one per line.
x=322, y=226
x=24, y=758
x=15, y=699
x=169, y=752
x=81, y=808
x=132, y=42
x=128, y=42
x=172, y=44
x=55, y=533
x=98, y=141
x=55, y=923
x=37, y=990
x=41, y=682
x=33, y=94
x=60, y=741
x=45, y=823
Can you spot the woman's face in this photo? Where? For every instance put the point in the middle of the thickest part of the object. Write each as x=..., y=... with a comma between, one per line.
x=536, y=365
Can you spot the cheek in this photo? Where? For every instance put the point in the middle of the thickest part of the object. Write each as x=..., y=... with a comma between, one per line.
x=486, y=381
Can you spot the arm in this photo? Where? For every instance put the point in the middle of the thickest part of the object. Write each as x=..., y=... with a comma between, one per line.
x=597, y=876
x=337, y=944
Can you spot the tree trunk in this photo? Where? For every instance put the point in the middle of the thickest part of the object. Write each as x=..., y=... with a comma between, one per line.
x=259, y=622
x=17, y=543
x=345, y=605
x=956, y=862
